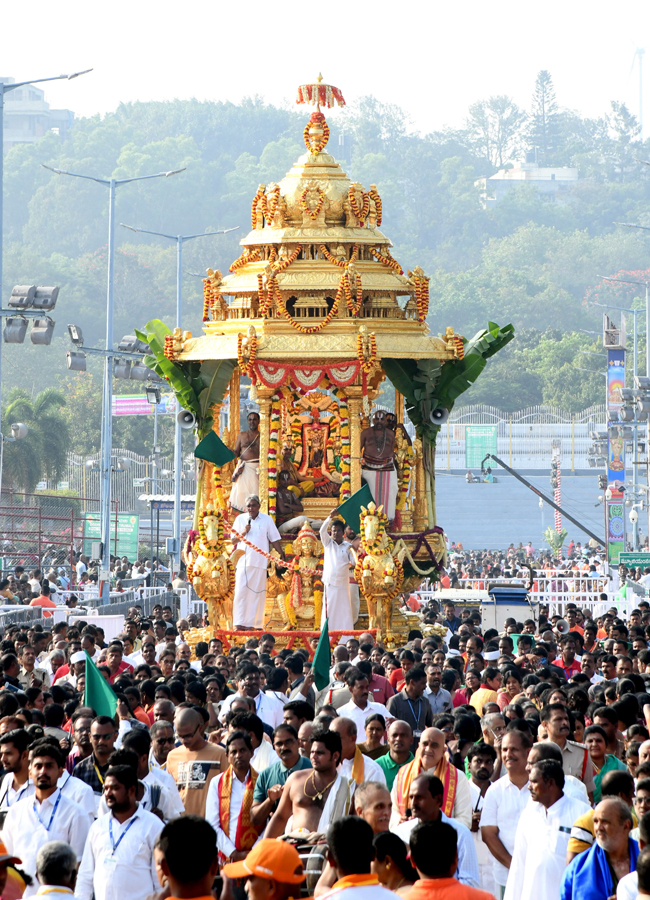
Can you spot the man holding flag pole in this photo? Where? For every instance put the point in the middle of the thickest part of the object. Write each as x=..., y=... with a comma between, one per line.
x=337, y=558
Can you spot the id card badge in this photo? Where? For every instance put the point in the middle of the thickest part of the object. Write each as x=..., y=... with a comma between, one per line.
x=417, y=734
x=110, y=865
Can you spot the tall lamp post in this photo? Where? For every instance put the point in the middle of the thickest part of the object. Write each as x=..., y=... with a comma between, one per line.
x=107, y=397
x=6, y=89
x=180, y=239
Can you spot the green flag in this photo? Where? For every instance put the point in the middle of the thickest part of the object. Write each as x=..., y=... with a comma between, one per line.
x=98, y=693
x=351, y=508
x=322, y=658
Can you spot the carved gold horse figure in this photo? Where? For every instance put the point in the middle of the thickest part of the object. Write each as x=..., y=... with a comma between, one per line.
x=209, y=568
x=379, y=571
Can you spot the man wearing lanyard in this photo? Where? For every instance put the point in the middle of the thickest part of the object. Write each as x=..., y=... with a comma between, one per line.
x=411, y=706
x=14, y=758
x=46, y=816
x=118, y=862
x=92, y=770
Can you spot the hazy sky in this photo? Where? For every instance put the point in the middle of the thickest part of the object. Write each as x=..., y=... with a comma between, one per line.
x=431, y=58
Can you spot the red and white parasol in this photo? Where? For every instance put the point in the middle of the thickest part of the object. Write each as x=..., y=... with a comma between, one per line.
x=320, y=94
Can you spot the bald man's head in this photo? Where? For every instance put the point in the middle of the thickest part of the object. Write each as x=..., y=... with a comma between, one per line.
x=348, y=731
x=189, y=726
x=644, y=752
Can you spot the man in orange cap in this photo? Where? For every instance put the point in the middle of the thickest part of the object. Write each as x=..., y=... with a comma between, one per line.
x=272, y=870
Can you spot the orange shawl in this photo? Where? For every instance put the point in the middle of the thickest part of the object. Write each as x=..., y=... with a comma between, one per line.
x=246, y=834
x=445, y=771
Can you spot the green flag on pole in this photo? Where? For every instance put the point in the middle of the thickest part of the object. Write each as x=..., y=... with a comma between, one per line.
x=322, y=657
x=98, y=693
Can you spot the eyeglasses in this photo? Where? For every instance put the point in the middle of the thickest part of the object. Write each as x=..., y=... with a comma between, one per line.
x=167, y=740
x=188, y=737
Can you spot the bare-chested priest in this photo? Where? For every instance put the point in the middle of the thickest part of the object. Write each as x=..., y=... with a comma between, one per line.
x=378, y=463
x=313, y=798
x=246, y=478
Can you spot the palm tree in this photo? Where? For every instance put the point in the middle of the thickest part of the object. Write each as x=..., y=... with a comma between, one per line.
x=43, y=453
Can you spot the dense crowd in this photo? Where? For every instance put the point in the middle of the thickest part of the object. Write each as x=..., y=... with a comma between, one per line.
x=467, y=763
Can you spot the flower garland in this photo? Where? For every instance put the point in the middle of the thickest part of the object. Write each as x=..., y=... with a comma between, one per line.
x=317, y=118
x=421, y=296
x=276, y=559
x=322, y=94
x=352, y=303
x=309, y=329
x=344, y=418
x=460, y=347
x=207, y=299
x=407, y=468
x=246, y=368
x=341, y=263
x=386, y=260
x=257, y=199
x=312, y=213
x=247, y=256
x=372, y=193
x=169, y=346
x=274, y=434
x=271, y=201
x=367, y=363
x=218, y=489
x=362, y=213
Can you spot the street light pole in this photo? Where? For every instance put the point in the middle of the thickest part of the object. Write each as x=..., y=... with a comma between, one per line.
x=5, y=89
x=180, y=239
x=107, y=397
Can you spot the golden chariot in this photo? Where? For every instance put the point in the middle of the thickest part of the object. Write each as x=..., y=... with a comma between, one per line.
x=308, y=311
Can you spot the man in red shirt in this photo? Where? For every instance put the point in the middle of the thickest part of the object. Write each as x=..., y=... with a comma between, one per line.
x=117, y=665
x=44, y=601
x=567, y=661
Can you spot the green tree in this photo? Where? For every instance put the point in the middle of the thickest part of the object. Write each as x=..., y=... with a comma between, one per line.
x=544, y=119
x=43, y=453
x=495, y=129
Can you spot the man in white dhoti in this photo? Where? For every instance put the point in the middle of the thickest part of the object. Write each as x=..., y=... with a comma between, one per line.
x=337, y=559
x=246, y=478
x=378, y=463
x=250, y=572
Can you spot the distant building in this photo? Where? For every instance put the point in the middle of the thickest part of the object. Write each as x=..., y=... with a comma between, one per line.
x=553, y=180
x=27, y=117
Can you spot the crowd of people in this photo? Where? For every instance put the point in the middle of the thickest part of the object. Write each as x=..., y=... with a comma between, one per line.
x=469, y=763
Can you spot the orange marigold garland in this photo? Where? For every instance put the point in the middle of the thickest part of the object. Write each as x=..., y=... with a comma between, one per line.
x=344, y=418
x=271, y=201
x=309, y=329
x=362, y=213
x=460, y=347
x=247, y=256
x=274, y=436
x=353, y=303
x=386, y=260
x=246, y=367
x=169, y=346
x=341, y=263
x=317, y=118
x=372, y=193
x=421, y=296
x=367, y=363
x=257, y=199
x=312, y=213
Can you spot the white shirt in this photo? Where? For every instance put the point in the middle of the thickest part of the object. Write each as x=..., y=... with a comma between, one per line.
x=336, y=558
x=127, y=872
x=467, y=871
x=8, y=794
x=54, y=891
x=262, y=533
x=30, y=824
x=148, y=802
x=503, y=804
x=80, y=568
x=268, y=708
x=264, y=757
x=352, y=711
x=224, y=842
x=371, y=771
x=483, y=855
x=79, y=791
x=157, y=775
x=575, y=788
x=363, y=892
x=539, y=857
x=628, y=886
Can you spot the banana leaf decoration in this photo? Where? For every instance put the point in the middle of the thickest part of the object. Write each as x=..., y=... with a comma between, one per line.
x=429, y=386
x=197, y=385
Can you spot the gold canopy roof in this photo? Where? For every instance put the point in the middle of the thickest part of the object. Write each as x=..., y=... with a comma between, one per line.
x=314, y=268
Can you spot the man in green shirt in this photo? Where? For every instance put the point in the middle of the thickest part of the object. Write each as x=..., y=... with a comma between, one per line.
x=270, y=782
x=399, y=737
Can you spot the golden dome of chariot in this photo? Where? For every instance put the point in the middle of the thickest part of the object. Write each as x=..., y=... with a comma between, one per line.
x=316, y=267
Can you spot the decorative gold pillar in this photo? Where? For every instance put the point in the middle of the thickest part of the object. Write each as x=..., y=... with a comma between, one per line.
x=354, y=409
x=420, y=519
x=264, y=399
x=399, y=406
x=234, y=411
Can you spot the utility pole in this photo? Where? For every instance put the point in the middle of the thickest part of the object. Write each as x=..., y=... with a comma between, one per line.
x=178, y=462
x=107, y=398
x=5, y=89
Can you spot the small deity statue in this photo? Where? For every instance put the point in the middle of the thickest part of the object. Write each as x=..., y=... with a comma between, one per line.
x=301, y=605
x=314, y=205
x=214, y=277
x=209, y=569
x=340, y=253
x=454, y=343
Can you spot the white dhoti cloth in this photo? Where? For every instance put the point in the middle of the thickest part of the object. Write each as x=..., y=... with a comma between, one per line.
x=355, y=596
x=250, y=595
x=247, y=483
x=337, y=607
x=383, y=487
